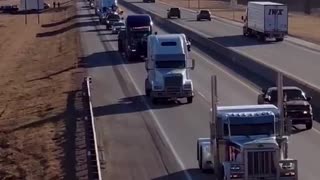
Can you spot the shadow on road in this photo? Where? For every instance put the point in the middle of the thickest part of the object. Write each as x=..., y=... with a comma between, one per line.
x=133, y=104
x=238, y=41
x=65, y=29
x=67, y=20
x=195, y=174
x=108, y=58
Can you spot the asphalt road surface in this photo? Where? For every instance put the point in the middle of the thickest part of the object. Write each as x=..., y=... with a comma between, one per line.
x=142, y=141
x=293, y=59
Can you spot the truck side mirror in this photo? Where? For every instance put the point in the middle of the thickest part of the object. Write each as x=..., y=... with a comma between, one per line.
x=309, y=98
x=267, y=98
x=189, y=47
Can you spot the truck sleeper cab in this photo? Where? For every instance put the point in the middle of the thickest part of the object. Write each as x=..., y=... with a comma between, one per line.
x=249, y=147
x=167, y=67
x=134, y=40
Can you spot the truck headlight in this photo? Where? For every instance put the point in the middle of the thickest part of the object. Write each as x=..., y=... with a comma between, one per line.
x=235, y=168
x=187, y=86
x=305, y=112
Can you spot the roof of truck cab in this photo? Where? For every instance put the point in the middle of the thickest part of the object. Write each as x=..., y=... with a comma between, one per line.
x=266, y=3
x=285, y=88
x=159, y=48
x=139, y=20
x=225, y=110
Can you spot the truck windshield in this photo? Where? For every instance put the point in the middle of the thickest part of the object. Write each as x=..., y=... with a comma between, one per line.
x=171, y=64
x=251, y=129
x=139, y=34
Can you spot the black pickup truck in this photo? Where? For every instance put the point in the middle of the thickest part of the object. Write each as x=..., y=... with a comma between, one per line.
x=296, y=105
x=133, y=40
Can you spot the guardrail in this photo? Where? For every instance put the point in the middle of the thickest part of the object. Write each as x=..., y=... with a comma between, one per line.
x=255, y=67
x=91, y=138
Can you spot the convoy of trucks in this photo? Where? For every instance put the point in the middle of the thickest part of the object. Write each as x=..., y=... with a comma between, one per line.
x=248, y=142
x=266, y=20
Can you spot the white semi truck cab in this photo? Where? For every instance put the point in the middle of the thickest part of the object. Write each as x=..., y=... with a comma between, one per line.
x=247, y=142
x=168, y=67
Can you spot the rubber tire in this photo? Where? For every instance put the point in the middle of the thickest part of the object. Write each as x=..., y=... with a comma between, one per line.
x=309, y=126
x=279, y=39
x=198, y=19
x=168, y=17
x=189, y=100
x=179, y=17
x=120, y=46
x=209, y=19
x=260, y=99
x=147, y=91
x=154, y=100
x=200, y=159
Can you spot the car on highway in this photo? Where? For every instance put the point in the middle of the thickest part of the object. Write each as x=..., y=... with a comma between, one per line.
x=174, y=12
x=111, y=19
x=118, y=26
x=204, y=14
x=296, y=104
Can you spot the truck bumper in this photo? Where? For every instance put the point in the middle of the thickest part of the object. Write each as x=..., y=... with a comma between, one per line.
x=166, y=94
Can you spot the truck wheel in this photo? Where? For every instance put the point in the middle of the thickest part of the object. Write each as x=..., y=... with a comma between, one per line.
x=262, y=37
x=279, y=39
x=168, y=17
x=260, y=99
x=309, y=125
x=119, y=46
x=198, y=19
x=179, y=17
x=209, y=19
x=189, y=100
x=200, y=159
x=154, y=100
x=146, y=87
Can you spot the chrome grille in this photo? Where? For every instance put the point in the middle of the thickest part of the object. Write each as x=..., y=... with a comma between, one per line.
x=261, y=163
x=173, y=81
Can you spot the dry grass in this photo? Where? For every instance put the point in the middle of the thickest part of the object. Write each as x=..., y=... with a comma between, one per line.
x=37, y=76
x=300, y=25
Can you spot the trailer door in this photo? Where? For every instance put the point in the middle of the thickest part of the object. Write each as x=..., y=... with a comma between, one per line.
x=276, y=18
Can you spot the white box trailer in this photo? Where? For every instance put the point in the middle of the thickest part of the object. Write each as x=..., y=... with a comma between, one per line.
x=266, y=20
x=31, y=5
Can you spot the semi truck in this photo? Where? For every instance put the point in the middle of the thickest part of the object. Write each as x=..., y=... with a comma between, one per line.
x=133, y=40
x=167, y=68
x=247, y=142
x=32, y=5
x=266, y=20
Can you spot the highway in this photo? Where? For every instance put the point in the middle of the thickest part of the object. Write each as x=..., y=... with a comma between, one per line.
x=293, y=59
x=129, y=126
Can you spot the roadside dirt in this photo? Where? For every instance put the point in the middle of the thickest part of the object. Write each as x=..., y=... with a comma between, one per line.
x=39, y=84
x=303, y=26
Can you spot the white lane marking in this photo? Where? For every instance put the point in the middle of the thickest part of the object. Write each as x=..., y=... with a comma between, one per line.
x=316, y=130
x=202, y=95
x=175, y=154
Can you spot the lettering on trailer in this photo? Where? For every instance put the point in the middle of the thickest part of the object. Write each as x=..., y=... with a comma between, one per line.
x=275, y=11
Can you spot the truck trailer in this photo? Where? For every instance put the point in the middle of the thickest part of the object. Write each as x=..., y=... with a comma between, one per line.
x=266, y=20
x=32, y=5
